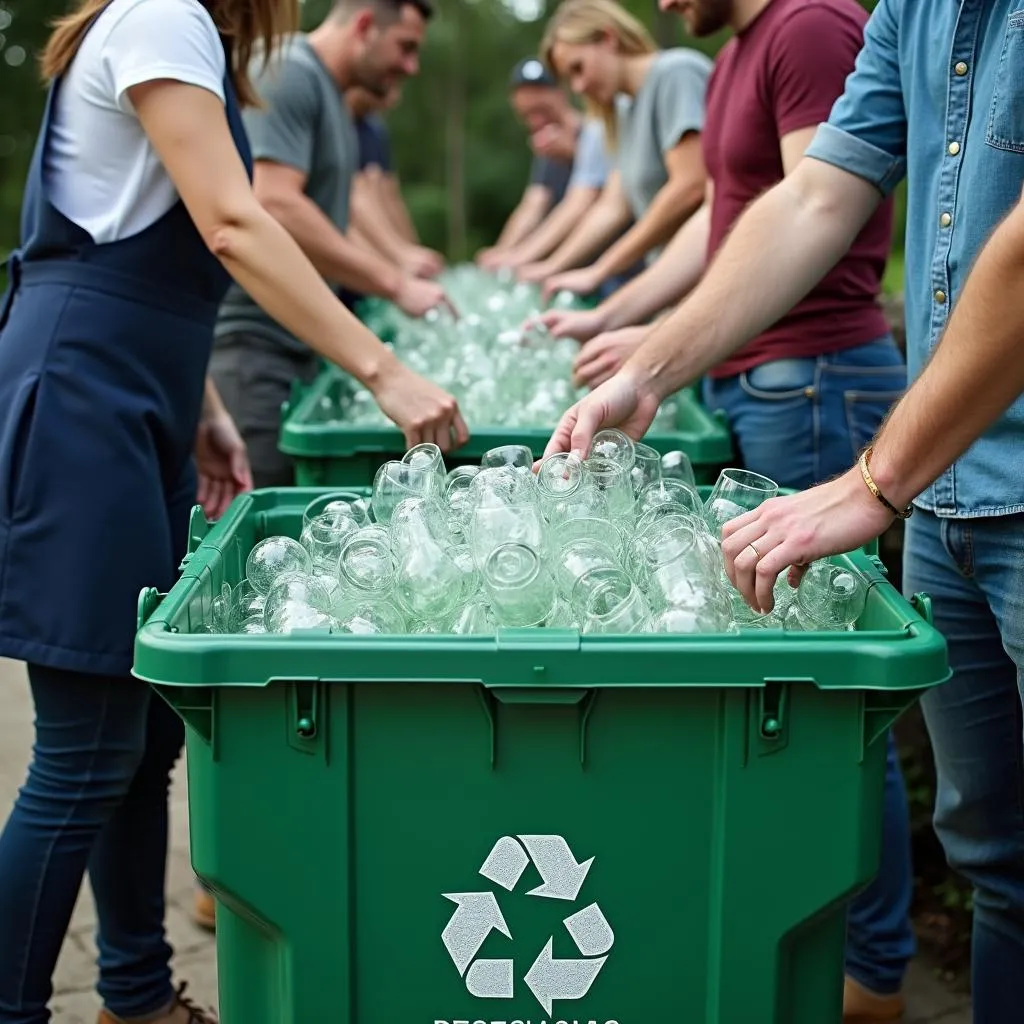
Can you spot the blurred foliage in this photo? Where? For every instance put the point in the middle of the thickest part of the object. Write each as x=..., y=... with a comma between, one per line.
x=461, y=154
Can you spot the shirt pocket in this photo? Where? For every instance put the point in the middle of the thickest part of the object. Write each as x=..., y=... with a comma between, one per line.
x=1006, y=114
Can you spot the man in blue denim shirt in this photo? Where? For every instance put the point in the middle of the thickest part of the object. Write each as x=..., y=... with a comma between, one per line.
x=938, y=96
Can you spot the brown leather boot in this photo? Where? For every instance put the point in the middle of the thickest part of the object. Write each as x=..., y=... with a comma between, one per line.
x=181, y=1011
x=204, y=910
x=862, y=1006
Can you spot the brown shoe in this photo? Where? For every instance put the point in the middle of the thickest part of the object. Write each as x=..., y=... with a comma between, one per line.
x=204, y=910
x=181, y=1011
x=862, y=1006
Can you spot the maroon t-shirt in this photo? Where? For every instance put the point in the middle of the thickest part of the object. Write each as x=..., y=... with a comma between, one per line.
x=782, y=73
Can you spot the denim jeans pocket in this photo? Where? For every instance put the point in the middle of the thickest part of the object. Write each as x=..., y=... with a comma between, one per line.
x=780, y=380
x=867, y=402
x=1006, y=114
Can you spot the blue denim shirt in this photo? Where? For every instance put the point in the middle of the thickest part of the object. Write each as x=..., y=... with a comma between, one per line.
x=937, y=96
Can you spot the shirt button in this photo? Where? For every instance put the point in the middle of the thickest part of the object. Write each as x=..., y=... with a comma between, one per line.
x=954, y=148
x=945, y=220
x=940, y=296
x=960, y=68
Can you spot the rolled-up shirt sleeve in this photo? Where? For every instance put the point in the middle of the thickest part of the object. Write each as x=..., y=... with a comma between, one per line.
x=866, y=132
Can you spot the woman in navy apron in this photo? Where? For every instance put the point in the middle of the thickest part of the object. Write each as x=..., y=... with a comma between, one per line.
x=103, y=401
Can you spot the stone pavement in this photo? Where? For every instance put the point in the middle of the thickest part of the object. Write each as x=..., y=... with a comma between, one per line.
x=74, y=1001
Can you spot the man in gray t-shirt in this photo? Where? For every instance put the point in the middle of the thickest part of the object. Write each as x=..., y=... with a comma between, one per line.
x=306, y=153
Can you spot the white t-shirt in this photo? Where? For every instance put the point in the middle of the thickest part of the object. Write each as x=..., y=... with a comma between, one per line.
x=100, y=170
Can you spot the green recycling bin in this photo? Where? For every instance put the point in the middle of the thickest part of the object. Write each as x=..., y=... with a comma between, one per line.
x=332, y=454
x=534, y=826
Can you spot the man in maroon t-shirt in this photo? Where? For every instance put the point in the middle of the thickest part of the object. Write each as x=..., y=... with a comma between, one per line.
x=805, y=396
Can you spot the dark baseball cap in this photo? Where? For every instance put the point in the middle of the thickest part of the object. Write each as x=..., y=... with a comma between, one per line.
x=531, y=71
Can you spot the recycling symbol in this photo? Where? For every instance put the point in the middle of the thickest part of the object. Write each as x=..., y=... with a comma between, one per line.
x=477, y=914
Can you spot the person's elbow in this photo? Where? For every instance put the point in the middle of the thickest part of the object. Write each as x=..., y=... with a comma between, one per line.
x=687, y=193
x=824, y=193
x=230, y=224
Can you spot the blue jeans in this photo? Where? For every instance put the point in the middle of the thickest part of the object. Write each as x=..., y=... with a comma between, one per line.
x=96, y=799
x=974, y=571
x=800, y=422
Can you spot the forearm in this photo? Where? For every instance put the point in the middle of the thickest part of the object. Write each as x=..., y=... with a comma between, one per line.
x=974, y=375
x=601, y=224
x=670, y=209
x=213, y=404
x=556, y=227
x=369, y=218
x=268, y=264
x=397, y=211
x=667, y=281
x=778, y=250
x=338, y=258
x=524, y=219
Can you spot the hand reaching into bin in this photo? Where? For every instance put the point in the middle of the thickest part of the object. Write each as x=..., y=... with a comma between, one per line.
x=416, y=297
x=621, y=402
x=423, y=411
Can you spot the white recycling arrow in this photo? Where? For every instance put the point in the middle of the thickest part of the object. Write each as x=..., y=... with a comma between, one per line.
x=506, y=863
x=590, y=931
x=550, y=979
x=491, y=979
x=563, y=876
x=477, y=914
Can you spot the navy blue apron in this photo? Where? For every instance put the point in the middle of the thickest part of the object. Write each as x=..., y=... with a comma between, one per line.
x=103, y=357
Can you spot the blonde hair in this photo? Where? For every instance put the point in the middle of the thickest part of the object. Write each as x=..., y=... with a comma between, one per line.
x=245, y=24
x=580, y=22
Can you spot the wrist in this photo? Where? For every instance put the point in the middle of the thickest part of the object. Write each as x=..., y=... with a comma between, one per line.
x=378, y=368
x=390, y=283
x=891, y=479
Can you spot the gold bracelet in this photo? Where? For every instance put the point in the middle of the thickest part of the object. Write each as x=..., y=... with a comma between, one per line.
x=873, y=487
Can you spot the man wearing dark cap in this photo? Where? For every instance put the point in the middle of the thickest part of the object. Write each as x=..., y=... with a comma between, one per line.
x=554, y=126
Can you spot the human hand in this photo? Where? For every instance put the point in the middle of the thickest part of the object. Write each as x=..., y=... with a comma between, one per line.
x=415, y=297
x=419, y=261
x=603, y=357
x=795, y=530
x=580, y=282
x=621, y=402
x=423, y=411
x=533, y=272
x=222, y=463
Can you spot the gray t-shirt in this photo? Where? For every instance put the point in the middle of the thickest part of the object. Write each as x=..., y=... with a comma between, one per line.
x=669, y=103
x=592, y=163
x=304, y=123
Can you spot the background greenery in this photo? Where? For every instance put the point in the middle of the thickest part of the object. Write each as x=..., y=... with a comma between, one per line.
x=461, y=154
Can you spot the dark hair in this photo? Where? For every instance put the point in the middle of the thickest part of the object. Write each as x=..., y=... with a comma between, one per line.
x=242, y=23
x=392, y=8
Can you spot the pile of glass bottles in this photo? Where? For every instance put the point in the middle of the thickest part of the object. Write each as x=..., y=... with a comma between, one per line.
x=620, y=542
x=502, y=369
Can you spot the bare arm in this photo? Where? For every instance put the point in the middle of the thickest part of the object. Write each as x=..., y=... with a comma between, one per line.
x=932, y=426
x=368, y=216
x=532, y=209
x=190, y=134
x=674, y=204
x=555, y=228
x=678, y=269
x=280, y=190
x=605, y=219
x=398, y=212
x=779, y=249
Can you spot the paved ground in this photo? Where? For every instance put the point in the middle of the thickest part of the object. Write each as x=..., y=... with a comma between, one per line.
x=74, y=1001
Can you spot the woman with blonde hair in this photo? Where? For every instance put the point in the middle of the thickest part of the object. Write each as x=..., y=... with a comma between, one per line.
x=137, y=210
x=652, y=106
